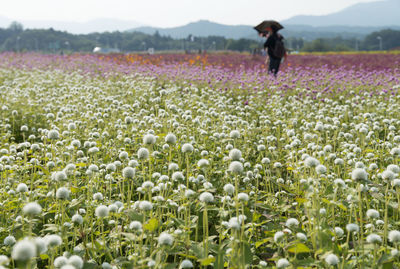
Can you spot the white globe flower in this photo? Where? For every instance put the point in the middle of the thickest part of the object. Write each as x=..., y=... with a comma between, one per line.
x=359, y=174
x=331, y=259
x=206, y=197
x=236, y=167
x=186, y=264
x=62, y=193
x=145, y=206
x=229, y=189
x=143, y=154
x=243, y=197
x=292, y=223
x=170, y=139
x=135, y=225
x=123, y=155
x=187, y=148
x=394, y=236
x=235, y=155
x=374, y=239
x=22, y=187
x=178, y=176
x=128, y=172
x=311, y=162
x=282, y=263
x=9, y=240
x=388, y=175
x=203, y=163
x=149, y=139
x=301, y=237
x=278, y=236
x=372, y=214
x=78, y=219
x=53, y=135
x=352, y=228
x=53, y=240
x=165, y=239
x=339, y=231
x=320, y=169
x=76, y=261
x=60, y=261
x=24, y=250
x=101, y=211
x=32, y=209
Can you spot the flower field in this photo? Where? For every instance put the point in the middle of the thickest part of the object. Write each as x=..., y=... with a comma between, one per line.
x=199, y=161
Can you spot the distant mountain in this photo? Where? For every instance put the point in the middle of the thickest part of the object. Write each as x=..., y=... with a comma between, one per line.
x=357, y=21
x=205, y=28
x=96, y=25
x=378, y=14
x=201, y=28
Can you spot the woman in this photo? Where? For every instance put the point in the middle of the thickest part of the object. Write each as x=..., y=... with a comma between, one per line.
x=269, y=46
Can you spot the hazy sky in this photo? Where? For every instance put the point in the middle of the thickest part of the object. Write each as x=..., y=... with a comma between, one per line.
x=167, y=13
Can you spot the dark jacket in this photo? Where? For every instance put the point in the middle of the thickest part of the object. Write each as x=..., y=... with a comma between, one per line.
x=270, y=44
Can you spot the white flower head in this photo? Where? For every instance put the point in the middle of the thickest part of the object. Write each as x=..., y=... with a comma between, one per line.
x=243, y=197
x=187, y=148
x=332, y=259
x=165, y=239
x=206, y=197
x=359, y=174
x=236, y=167
x=292, y=223
x=145, y=205
x=149, y=139
x=352, y=228
x=372, y=214
x=143, y=154
x=311, y=162
x=32, y=209
x=24, y=250
x=235, y=155
x=374, y=239
x=186, y=264
x=170, y=139
x=101, y=211
x=229, y=189
x=135, y=225
x=394, y=236
x=62, y=193
x=282, y=263
x=128, y=172
x=76, y=261
x=278, y=236
x=53, y=135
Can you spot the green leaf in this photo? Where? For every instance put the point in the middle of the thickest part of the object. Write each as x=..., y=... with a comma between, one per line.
x=259, y=243
x=44, y=256
x=151, y=225
x=74, y=189
x=129, y=236
x=388, y=265
x=89, y=265
x=171, y=266
x=301, y=200
x=299, y=248
x=207, y=261
x=341, y=206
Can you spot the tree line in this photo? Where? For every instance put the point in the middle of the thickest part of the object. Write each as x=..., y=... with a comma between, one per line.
x=16, y=38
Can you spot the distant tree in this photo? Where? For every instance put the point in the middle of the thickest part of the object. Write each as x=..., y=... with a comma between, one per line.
x=390, y=39
x=16, y=27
